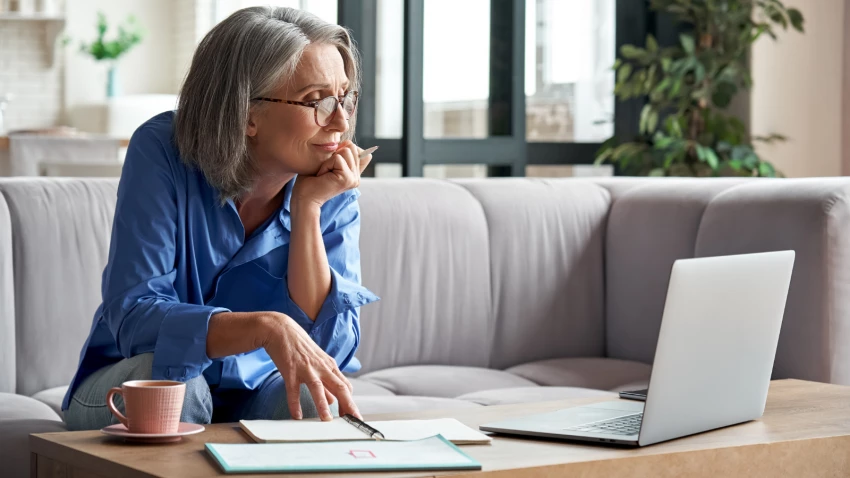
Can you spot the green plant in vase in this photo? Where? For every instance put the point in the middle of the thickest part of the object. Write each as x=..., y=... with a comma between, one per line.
x=685, y=129
x=129, y=35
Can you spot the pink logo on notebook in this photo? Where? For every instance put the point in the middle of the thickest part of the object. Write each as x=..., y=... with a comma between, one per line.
x=362, y=454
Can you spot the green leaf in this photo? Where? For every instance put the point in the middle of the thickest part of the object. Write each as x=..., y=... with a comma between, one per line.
x=652, y=122
x=677, y=85
x=644, y=118
x=687, y=43
x=669, y=158
x=632, y=52
x=662, y=85
x=624, y=73
x=651, y=44
x=707, y=155
x=796, y=19
x=766, y=170
x=657, y=172
x=723, y=94
x=779, y=18
x=662, y=142
x=699, y=72
x=712, y=159
x=665, y=64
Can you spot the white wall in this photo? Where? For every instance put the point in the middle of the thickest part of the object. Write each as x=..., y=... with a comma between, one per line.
x=27, y=73
x=147, y=68
x=798, y=91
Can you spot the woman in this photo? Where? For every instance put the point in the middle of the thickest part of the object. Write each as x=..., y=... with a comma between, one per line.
x=234, y=261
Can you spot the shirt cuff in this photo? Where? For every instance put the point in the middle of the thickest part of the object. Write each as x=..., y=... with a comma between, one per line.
x=344, y=295
x=180, y=352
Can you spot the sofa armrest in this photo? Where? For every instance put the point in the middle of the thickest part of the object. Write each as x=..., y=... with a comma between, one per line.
x=812, y=217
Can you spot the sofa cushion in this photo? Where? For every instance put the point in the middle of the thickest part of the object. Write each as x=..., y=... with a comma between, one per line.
x=627, y=387
x=424, y=250
x=367, y=388
x=589, y=372
x=377, y=405
x=15, y=443
x=19, y=407
x=53, y=397
x=7, y=303
x=60, y=232
x=506, y=396
x=547, y=241
x=442, y=380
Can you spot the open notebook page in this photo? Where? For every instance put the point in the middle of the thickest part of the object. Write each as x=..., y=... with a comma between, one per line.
x=270, y=431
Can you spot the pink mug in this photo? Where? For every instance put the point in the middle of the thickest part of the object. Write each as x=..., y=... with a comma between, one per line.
x=152, y=406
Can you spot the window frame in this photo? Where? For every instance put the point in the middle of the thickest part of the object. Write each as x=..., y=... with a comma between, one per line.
x=506, y=152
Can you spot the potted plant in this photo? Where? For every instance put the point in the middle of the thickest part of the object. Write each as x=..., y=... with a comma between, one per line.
x=684, y=127
x=129, y=35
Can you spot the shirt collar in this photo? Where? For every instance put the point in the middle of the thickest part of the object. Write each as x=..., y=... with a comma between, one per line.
x=287, y=199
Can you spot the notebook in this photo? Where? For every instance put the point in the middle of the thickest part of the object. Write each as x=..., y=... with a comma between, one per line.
x=350, y=428
x=430, y=454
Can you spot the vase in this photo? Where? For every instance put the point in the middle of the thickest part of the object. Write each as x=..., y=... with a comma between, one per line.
x=112, y=87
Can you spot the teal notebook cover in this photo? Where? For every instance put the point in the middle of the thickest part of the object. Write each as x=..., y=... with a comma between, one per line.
x=429, y=454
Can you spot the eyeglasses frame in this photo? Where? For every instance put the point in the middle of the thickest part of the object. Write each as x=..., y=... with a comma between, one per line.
x=340, y=101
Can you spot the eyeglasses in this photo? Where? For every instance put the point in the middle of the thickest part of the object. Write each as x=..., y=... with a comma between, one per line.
x=324, y=109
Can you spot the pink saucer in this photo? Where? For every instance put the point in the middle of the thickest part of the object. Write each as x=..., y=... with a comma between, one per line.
x=184, y=429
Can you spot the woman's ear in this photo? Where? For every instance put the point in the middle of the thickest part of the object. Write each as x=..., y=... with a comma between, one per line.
x=251, y=128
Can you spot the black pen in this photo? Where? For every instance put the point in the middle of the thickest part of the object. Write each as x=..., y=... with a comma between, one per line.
x=363, y=426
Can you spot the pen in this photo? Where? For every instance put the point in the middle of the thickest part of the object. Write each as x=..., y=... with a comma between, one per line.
x=368, y=151
x=363, y=426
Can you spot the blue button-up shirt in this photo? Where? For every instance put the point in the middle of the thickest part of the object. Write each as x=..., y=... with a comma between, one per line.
x=177, y=256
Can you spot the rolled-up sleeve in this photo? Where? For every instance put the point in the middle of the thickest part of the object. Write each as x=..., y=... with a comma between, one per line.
x=337, y=326
x=140, y=304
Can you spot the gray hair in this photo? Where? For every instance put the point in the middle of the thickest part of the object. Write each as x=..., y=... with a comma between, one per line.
x=249, y=54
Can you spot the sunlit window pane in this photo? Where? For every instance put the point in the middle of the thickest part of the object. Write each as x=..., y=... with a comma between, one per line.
x=569, y=84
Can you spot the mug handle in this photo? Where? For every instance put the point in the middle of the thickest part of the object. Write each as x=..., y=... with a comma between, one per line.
x=121, y=418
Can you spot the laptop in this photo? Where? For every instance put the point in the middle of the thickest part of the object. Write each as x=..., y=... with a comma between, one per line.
x=713, y=360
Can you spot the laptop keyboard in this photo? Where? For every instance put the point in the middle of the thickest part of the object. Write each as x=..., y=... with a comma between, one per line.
x=627, y=425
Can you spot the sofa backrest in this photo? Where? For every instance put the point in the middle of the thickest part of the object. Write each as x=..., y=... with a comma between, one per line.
x=653, y=222
x=425, y=251
x=491, y=272
x=60, y=238
x=547, y=244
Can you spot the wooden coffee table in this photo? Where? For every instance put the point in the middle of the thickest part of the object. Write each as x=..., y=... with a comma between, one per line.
x=805, y=431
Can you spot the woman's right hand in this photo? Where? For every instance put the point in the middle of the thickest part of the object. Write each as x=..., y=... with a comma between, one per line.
x=300, y=360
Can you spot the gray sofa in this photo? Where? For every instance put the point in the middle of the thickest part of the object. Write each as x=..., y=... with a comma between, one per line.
x=493, y=291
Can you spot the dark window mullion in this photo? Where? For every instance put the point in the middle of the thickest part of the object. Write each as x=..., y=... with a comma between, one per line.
x=360, y=16
x=412, y=141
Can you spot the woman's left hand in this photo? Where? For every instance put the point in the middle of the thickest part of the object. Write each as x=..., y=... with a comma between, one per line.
x=336, y=175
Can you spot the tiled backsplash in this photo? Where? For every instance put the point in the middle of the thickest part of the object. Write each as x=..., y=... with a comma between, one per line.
x=26, y=73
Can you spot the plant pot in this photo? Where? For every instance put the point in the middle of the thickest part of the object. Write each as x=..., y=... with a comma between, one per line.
x=112, y=87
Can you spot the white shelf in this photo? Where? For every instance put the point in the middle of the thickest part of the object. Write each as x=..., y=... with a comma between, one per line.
x=55, y=25
x=15, y=16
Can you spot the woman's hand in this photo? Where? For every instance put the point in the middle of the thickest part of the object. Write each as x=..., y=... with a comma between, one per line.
x=300, y=360
x=336, y=175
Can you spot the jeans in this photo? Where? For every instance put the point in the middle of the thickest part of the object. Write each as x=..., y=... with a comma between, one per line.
x=88, y=411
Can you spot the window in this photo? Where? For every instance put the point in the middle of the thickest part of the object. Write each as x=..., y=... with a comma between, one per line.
x=569, y=83
x=494, y=85
x=456, y=68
